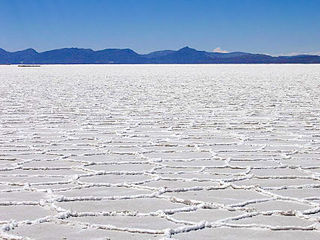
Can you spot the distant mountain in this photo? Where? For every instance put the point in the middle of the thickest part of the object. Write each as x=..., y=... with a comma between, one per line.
x=64, y=56
x=184, y=55
x=158, y=53
x=117, y=56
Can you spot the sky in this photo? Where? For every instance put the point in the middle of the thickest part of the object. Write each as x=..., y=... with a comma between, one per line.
x=258, y=26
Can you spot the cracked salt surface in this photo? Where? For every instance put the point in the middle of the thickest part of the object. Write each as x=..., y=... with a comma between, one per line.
x=160, y=152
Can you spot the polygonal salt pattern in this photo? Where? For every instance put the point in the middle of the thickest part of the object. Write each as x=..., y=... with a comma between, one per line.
x=160, y=152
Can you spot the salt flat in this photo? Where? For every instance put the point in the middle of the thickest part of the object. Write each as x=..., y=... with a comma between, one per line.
x=160, y=151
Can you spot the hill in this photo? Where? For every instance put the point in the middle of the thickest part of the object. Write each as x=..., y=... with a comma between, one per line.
x=184, y=55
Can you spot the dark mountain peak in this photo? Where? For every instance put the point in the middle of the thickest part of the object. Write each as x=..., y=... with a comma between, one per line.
x=118, y=50
x=187, y=49
x=158, y=53
x=128, y=50
x=27, y=51
x=31, y=50
x=83, y=49
x=70, y=50
x=3, y=51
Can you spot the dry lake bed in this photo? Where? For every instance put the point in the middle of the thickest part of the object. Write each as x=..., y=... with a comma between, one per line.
x=228, y=152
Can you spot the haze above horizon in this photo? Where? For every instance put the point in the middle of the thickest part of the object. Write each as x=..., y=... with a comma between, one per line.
x=265, y=26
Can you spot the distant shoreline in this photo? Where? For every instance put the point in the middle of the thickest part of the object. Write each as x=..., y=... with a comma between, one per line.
x=184, y=55
x=154, y=64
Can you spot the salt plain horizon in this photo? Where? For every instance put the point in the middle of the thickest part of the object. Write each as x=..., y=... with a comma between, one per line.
x=160, y=152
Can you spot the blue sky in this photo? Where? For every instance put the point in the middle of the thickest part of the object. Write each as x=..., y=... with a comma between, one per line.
x=264, y=26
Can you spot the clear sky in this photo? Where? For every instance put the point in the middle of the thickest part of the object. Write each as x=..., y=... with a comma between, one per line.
x=264, y=26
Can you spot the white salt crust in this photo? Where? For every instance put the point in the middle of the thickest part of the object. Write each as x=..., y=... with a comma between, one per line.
x=160, y=152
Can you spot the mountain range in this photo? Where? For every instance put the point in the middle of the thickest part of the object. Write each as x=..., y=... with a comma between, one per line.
x=184, y=55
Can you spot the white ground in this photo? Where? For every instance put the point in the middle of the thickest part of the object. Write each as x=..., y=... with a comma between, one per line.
x=155, y=152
